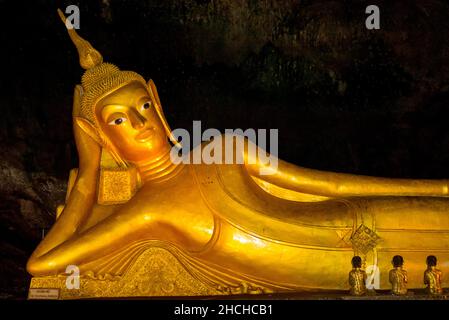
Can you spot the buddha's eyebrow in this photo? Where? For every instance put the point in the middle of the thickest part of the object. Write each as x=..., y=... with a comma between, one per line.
x=116, y=106
x=110, y=107
x=144, y=97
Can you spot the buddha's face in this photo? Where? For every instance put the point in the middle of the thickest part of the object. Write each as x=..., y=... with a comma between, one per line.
x=128, y=118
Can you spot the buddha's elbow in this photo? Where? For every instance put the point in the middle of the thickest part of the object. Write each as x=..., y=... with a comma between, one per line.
x=38, y=267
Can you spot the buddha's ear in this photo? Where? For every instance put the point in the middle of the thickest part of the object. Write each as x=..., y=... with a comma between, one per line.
x=158, y=107
x=77, y=94
x=153, y=91
x=87, y=128
x=79, y=122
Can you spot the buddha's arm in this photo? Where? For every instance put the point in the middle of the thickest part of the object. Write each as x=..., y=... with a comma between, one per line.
x=134, y=223
x=330, y=184
x=81, y=197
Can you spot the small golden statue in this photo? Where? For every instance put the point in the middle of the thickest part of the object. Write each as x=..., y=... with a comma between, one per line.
x=432, y=277
x=357, y=278
x=398, y=277
x=135, y=223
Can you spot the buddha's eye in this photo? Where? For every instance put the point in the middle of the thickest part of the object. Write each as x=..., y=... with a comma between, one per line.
x=117, y=121
x=146, y=105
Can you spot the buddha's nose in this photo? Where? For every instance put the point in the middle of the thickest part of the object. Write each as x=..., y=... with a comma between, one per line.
x=138, y=121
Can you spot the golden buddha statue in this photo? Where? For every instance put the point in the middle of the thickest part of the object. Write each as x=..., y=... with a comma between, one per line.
x=398, y=277
x=357, y=278
x=137, y=224
x=432, y=277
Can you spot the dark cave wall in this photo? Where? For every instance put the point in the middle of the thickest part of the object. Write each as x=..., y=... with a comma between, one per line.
x=343, y=98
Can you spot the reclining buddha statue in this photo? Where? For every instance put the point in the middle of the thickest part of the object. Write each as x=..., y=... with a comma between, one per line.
x=135, y=223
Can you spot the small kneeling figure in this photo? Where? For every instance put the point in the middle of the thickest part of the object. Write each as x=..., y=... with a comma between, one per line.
x=432, y=277
x=357, y=278
x=398, y=277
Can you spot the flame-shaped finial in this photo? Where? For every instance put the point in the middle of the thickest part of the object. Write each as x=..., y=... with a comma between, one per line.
x=89, y=57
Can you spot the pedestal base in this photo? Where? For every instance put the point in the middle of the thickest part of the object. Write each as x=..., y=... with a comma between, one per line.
x=156, y=272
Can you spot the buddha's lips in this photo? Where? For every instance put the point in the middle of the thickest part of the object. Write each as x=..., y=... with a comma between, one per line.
x=144, y=136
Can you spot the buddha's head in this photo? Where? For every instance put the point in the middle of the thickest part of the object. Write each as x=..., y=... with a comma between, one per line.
x=127, y=117
x=119, y=109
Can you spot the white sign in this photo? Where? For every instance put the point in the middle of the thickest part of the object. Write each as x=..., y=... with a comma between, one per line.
x=43, y=294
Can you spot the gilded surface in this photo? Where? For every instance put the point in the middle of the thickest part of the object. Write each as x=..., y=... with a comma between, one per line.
x=138, y=224
x=155, y=273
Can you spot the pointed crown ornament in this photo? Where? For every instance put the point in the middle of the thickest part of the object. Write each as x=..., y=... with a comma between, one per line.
x=99, y=78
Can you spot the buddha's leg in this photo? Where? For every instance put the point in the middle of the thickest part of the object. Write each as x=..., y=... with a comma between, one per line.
x=413, y=227
x=114, y=233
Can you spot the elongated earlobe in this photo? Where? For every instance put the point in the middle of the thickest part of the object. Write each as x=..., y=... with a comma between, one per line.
x=154, y=92
x=77, y=95
x=155, y=96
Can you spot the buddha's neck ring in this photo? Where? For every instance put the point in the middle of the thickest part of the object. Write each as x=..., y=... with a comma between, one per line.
x=158, y=169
